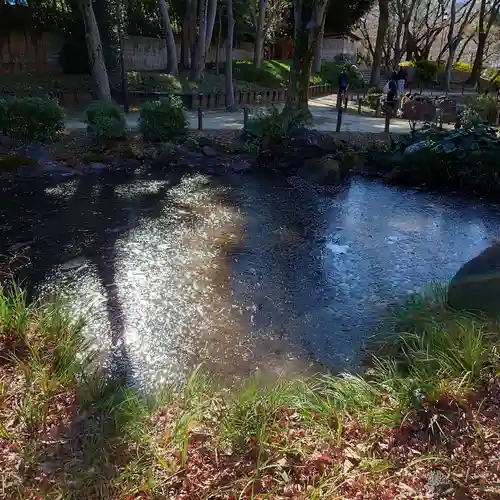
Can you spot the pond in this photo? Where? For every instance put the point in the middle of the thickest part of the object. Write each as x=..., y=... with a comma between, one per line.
x=241, y=272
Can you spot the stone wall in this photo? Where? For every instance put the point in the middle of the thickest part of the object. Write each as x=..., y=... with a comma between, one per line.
x=146, y=54
x=21, y=52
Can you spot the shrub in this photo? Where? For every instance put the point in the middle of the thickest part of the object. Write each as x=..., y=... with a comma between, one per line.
x=267, y=129
x=374, y=90
x=481, y=108
x=462, y=66
x=163, y=120
x=161, y=82
x=105, y=120
x=31, y=118
x=465, y=159
x=425, y=69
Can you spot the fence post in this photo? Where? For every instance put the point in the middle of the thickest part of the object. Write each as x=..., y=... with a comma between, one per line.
x=359, y=103
x=245, y=117
x=377, y=107
x=200, y=118
x=387, y=118
x=339, y=112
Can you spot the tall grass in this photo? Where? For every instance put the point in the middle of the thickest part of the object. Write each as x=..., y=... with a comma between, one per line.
x=427, y=353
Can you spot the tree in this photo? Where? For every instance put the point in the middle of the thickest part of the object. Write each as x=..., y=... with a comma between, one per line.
x=319, y=48
x=172, y=66
x=383, y=24
x=488, y=15
x=199, y=52
x=309, y=18
x=229, y=57
x=96, y=55
x=260, y=35
x=452, y=45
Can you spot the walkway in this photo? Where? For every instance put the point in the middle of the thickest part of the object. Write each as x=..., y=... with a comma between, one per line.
x=322, y=108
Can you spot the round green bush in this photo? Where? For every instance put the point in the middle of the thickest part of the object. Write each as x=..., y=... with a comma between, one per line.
x=163, y=120
x=31, y=118
x=105, y=120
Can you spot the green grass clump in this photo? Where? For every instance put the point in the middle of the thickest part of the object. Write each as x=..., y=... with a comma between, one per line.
x=122, y=443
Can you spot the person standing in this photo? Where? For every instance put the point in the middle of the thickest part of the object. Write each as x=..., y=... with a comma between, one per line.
x=392, y=91
x=401, y=78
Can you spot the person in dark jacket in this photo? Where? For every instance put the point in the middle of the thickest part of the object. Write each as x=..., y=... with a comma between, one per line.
x=392, y=94
x=401, y=78
x=343, y=81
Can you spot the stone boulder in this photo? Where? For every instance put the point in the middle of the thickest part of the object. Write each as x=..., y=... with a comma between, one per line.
x=324, y=171
x=476, y=286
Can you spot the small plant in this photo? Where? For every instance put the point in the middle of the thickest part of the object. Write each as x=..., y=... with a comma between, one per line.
x=31, y=118
x=462, y=66
x=267, y=129
x=163, y=120
x=105, y=120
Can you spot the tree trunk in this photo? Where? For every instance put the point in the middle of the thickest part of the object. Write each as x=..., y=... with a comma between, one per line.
x=198, y=64
x=212, y=14
x=397, y=45
x=229, y=57
x=94, y=47
x=185, y=46
x=452, y=46
x=477, y=66
x=383, y=24
x=308, y=22
x=319, y=48
x=464, y=46
x=172, y=66
x=217, y=50
x=258, y=57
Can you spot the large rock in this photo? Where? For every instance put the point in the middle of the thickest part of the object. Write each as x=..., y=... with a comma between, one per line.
x=324, y=171
x=476, y=286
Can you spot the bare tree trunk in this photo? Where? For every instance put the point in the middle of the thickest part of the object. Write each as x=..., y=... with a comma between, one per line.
x=96, y=55
x=308, y=21
x=212, y=14
x=378, y=55
x=383, y=24
x=217, y=50
x=452, y=46
x=229, y=57
x=397, y=45
x=172, y=66
x=198, y=64
x=184, y=62
x=258, y=57
x=319, y=47
x=484, y=30
x=464, y=46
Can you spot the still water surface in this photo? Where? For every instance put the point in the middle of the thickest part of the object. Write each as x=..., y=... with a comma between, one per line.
x=242, y=272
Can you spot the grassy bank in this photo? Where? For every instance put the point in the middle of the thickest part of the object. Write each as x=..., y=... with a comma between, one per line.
x=274, y=74
x=424, y=419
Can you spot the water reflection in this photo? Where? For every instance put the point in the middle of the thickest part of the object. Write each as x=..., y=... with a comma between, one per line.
x=244, y=273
